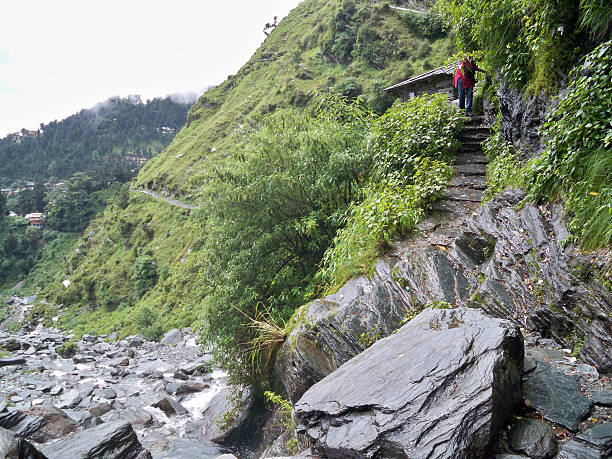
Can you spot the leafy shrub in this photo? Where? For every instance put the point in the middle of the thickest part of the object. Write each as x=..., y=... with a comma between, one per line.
x=577, y=161
x=149, y=325
x=423, y=126
x=145, y=274
x=278, y=202
x=389, y=209
x=428, y=24
x=532, y=43
x=286, y=412
x=505, y=168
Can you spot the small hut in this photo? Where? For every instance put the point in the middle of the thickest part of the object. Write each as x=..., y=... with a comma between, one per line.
x=438, y=80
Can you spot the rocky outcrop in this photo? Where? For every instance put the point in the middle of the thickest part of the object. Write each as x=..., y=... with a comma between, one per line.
x=521, y=117
x=442, y=386
x=331, y=331
x=511, y=262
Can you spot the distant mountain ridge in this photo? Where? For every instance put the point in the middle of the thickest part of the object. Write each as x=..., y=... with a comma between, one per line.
x=118, y=129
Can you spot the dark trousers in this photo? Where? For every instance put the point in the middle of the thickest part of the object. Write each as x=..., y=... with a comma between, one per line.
x=465, y=98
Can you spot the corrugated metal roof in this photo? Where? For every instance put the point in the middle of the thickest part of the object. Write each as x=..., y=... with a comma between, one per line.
x=448, y=70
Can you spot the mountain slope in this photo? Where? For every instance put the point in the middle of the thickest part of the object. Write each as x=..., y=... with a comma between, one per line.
x=103, y=134
x=353, y=47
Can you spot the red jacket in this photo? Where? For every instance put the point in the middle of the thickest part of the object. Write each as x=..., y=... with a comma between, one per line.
x=466, y=71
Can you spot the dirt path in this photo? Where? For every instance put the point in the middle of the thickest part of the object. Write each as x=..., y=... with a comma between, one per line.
x=172, y=202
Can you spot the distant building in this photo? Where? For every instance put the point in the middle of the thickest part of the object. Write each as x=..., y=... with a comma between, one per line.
x=138, y=159
x=438, y=80
x=36, y=219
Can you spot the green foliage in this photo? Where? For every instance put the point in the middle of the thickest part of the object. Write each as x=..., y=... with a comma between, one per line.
x=596, y=18
x=388, y=210
x=425, y=126
x=505, y=168
x=577, y=162
x=68, y=349
x=144, y=276
x=427, y=24
x=148, y=323
x=277, y=207
x=286, y=412
x=532, y=42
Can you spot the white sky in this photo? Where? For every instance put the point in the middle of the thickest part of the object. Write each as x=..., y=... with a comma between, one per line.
x=59, y=56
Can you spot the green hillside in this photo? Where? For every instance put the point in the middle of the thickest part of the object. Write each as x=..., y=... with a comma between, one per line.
x=92, y=138
x=139, y=266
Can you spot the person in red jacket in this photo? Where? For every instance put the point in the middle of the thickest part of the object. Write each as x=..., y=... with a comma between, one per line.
x=464, y=81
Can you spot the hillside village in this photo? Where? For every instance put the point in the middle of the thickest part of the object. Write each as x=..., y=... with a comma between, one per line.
x=333, y=257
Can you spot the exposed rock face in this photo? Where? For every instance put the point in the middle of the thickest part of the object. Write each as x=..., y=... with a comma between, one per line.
x=521, y=117
x=329, y=330
x=442, y=386
x=544, y=286
x=511, y=263
x=113, y=439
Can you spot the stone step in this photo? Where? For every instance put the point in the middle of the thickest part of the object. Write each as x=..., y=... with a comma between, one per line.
x=474, y=136
x=476, y=129
x=463, y=194
x=476, y=182
x=470, y=158
x=470, y=150
x=470, y=169
x=460, y=208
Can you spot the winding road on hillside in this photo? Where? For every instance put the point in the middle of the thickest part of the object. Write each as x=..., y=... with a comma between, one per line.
x=172, y=202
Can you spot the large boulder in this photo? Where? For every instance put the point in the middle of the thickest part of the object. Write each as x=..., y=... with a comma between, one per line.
x=442, y=386
x=226, y=414
x=112, y=439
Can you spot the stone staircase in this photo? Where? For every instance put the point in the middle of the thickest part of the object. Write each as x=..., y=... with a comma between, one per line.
x=469, y=171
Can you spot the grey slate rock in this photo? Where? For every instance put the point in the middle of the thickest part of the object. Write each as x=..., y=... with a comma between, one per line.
x=556, y=396
x=99, y=409
x=214, y=429
x=577, y=450
x=600, y=435
x=534, y=438
x=6, y=361
x=136, y=416
x=429, y=390
x=173, y=337
x=170, y=407
x=603, y=398
x=70, y=399
x=113, y=440
x=13, y=447
x=107, y=393
x=28, y=426
x=11, y=418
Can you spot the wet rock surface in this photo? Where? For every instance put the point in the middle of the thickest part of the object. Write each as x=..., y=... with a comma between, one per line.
x=534, y=438
x=425, y=391
x=512, y=264
x=556, y=396
x=53, y=401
